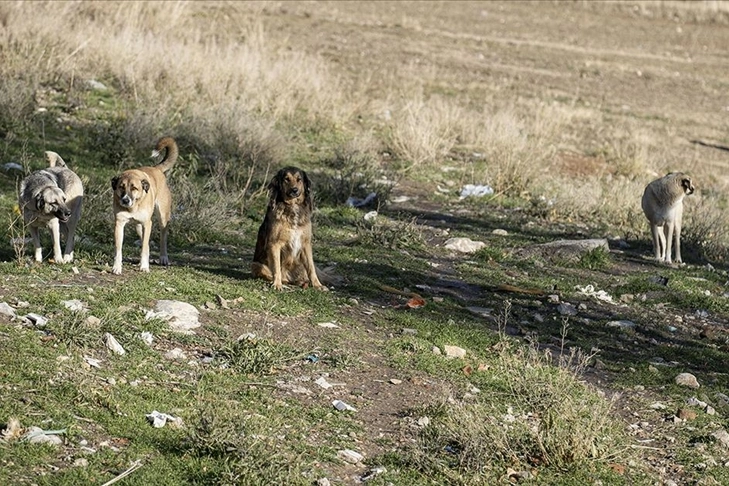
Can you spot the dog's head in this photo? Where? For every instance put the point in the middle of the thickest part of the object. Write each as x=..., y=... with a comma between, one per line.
x=291, y=185
x=687, y=185
x=51, y=201
x=129, y=188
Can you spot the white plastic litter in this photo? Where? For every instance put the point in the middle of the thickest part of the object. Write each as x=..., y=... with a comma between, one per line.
x=341, y=406
x=472, y=190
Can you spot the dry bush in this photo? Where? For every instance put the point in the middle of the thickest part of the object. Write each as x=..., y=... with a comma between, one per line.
x=547, y=416
x=517, y=149
x=706, y=228
x=423, y=132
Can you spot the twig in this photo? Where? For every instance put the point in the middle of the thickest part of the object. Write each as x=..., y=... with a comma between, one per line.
x=253, y=383
x=135, y=465
x=646, y=447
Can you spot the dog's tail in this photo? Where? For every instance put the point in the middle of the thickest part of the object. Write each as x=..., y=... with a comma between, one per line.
x=54, y=160
x=168, y=146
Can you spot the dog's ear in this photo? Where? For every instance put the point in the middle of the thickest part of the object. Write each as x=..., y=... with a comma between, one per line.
x=145, y=185
x=39, y=201
x=114, y=182
x=275, y=185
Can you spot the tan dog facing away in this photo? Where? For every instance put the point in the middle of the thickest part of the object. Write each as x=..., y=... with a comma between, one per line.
x=52, y=197
x=284, y=252
x=138, y=194
x=663, y=206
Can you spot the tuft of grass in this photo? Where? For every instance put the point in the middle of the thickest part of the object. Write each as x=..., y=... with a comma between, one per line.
x=595, y=259
x=256, y=356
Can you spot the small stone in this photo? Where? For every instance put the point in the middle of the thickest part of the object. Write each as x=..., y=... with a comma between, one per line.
x=74, y=305
x=323, y=482
x=92, y=321
x=500, y=232
x=722, y=436
x=423, y=421
x=658, y=406
x=622, y=324
x=6, y=310
x=710, y=410
x=454, y=351
x=567, y=309
x=395, y=381
x=686, y=414
x=81, y=462
x=464, y=245
x=348, y=455
x=553, y=299
x=409, y=331
x=653, y=369
x=695, y=402
x=175, y=354
x=211, y=305
x=687, y=379
x=436, y=350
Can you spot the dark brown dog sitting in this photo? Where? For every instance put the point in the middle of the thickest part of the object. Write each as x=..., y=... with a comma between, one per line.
x=283, y=250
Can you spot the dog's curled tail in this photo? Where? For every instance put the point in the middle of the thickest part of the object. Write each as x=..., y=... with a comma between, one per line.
x=168, y=147
x=54, y=160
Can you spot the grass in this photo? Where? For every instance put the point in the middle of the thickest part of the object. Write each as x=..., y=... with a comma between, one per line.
x=566, y=160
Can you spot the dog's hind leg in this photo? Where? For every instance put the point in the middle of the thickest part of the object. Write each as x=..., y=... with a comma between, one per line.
x=668, y=230
x=659, y=242
x=144, y=258
x=308, y=262
x=261, y=270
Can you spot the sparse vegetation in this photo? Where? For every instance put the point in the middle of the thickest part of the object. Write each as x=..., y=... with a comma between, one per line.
x=407, y=102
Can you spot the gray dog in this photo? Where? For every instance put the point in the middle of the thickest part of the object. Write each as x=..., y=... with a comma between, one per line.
x=52, y=197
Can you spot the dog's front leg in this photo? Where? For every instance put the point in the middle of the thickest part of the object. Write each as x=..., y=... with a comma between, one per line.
x=34, y=233
x=118, y=242
x=144, y=260
x=55, y=228
x=274, y=260
x=677, y=235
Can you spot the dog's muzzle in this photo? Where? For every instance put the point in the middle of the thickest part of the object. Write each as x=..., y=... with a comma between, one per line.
x=62, y=215
x=294, y=192
x=125, y=201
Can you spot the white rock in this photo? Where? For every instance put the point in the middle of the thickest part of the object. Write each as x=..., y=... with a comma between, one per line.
x=341, y=406
x=81, y=462
x=36, y=319
x=454, y=351
x=695, y=402
x=622, y=324
x=710, y=410
x=687, y=379
x=722, y=436
x=147, y=337
x=436, y=350
x=500, y=232
x=567, y=309
x=175, y=354
x=329, y=325
x=158, y=419
x=6, y=310
x=371, y=216
x=658, y=406
x=424, y=421
x=181, y=316
x=464, y=245
x=322, y=382
x=350, y=456
x=96, y=363
x=323, y=482
x=74, y=305
x=113, y=344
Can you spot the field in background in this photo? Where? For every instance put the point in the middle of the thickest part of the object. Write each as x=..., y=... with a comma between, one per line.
x=567, y=110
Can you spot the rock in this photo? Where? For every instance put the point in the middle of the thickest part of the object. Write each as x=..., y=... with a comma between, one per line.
x=92, y=321
x=36, y=319
x=454, y=351
x=695, y=402
x=423, y=421
x=175, y=354
x=147, y=337
x=35, y=435
x=111, y=343
x=480, y=311
x=96, y=85
x=500, y=232
x=722, y=398
x=722, y=436
x=348, y=455
x=464, y=245
x=566, y=309
x=553, y=299
x=436, y=350
x=73, y=305
x=686, y=414
x=622, y=324
x=81, y=462
x=395, y=381
x=687, y=379
x=159, y=419
x=6, y=310
x=564, y=249
x=323, y=482
x=710, y=410
x=181, y=316
x=372, y=473
x=658, y=406
x=341, y=406
x=409, y=331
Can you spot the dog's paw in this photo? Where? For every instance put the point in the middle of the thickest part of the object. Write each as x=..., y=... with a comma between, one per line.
x=116, y=270
x=144, y=269
x=163, y=260
x=68, y=258
x=322, y=288
x=277, y=285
